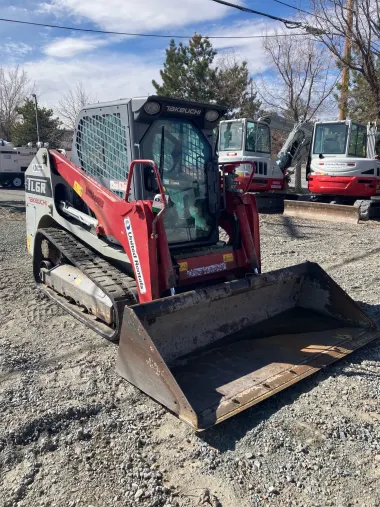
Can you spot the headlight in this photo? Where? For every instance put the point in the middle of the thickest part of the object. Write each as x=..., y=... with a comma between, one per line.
x=152, y=107
x=212, y=115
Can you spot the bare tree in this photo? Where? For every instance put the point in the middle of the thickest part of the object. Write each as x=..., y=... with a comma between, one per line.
x=235, y=87
x=305, y=77
x=359, y=21
x=14, y=88
x=71, y=103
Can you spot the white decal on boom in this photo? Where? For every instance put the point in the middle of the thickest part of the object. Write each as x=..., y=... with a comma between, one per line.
x=135, y=258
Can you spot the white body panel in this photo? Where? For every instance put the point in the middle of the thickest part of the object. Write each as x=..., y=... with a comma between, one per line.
x=341, y=166
x=41, y=210
x=265, y=167
x=344, y=164
x=13, y=162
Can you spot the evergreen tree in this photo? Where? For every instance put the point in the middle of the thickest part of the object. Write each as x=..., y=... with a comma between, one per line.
x=174, y=72
x=190, y=73
x=25, y=130
x=235, y=90
x=202, y=78
x=362, y=102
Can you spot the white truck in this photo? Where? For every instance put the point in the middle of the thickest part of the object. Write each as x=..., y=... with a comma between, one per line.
x=14, y=161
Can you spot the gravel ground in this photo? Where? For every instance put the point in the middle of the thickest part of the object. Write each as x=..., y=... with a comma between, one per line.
x=73, y=433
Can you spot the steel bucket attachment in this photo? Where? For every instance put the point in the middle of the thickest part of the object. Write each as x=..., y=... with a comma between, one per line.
x=211, y=353
x=272, y=202
x=322, y=211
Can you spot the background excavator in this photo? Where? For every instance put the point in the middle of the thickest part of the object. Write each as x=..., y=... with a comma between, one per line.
x=247, y=140
x=343, y=173
x=126, y=237
x=251, y=140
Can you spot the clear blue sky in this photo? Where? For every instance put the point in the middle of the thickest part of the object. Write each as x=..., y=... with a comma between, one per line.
x=113, y=66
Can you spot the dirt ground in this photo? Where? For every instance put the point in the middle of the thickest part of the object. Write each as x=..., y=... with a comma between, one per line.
x=72, y=433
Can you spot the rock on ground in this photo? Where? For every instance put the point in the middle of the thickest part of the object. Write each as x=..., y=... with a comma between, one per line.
x=72, y=433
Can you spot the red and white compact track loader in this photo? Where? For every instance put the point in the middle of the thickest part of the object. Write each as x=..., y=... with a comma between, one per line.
x=126, y=237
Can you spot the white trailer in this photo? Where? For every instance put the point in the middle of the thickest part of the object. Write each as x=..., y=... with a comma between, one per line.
x=14, y=161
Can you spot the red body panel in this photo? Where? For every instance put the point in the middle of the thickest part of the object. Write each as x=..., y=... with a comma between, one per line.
x=142, y=234
x=355, y=186
x=262, y=184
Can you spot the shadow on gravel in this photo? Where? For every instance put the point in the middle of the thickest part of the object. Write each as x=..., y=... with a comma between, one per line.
x=52, y=423
x=226, y=435
x=292, y=228
x=355, y=258
x=13, y=206
x=299, y=226
x=58, y=360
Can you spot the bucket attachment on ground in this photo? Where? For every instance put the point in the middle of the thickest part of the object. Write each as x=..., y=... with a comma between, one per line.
x=272, y=202
x=322, y=211
x=211, y=353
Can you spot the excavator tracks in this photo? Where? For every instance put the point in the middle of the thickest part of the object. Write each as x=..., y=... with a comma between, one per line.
x=58, y=247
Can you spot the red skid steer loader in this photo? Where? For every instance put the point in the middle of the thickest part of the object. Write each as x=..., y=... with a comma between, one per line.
x=137, y=255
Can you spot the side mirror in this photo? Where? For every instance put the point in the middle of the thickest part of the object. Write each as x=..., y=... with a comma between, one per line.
x=150, y=179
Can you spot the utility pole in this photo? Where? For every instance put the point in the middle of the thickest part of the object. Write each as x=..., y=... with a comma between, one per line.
x=36, y=108
x=347, y=53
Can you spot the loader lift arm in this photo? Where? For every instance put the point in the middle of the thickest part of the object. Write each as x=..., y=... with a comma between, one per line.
x=142, y=234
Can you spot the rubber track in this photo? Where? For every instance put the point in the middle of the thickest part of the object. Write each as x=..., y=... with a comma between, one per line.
x=118, y=286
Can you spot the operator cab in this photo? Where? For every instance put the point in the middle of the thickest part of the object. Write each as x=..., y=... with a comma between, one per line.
x=246, y=140
x=342, y=160
x=335, y=146
x=178, y=136
x=342, y=138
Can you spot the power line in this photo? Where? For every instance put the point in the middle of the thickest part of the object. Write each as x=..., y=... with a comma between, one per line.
x=266, y=15
x=90, y=30
x=299, y=9
x=294, y=7
x=288, y=23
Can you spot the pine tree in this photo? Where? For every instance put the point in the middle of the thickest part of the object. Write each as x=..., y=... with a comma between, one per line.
x=25, y=130
x=202, y=77
x=235, y=89
x=190, y=73
x=362, y=102
x=174, y=72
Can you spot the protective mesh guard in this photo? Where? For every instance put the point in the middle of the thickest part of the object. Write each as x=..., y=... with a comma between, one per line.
x=102, y=148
